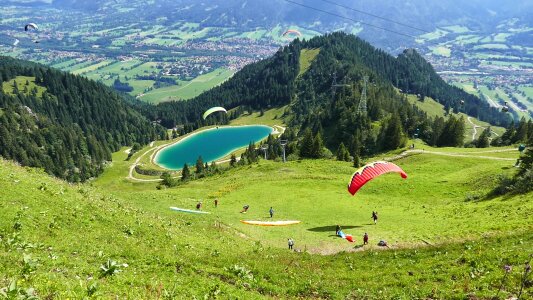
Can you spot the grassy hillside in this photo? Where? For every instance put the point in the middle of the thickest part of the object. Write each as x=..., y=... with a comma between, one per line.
x=162, y=254
x=25, y=84
x=307, y=56
x=435, y=109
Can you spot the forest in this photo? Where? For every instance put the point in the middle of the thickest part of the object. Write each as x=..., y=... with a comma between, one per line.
x=66, y=124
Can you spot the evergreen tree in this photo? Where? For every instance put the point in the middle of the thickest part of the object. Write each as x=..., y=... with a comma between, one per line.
x=306, y=146
x=342, y=153
x=356, y=161
x=392, y=136
x=185, y=172
x=167, y=180
x=199, y=165
x=483, y=140
x=233, y=160
x=318, y=146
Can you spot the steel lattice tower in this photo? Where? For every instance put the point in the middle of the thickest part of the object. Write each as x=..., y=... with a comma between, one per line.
x=361, y=109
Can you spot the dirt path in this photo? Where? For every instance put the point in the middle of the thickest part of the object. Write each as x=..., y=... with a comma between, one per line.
x=474, y=126
x=132, y=167
x=280, y=131
x=453, y=154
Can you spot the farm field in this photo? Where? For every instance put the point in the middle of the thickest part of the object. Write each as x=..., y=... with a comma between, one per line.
x=188, y=89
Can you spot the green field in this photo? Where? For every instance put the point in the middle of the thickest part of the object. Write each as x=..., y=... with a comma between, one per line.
x=441, y=50
x=491, y=46
x=270, y=117
x=188, y=89
x=91, y=67
x=438, y=33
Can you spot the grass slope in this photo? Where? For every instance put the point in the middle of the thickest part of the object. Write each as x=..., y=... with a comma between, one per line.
x=172, y=255
x=307, y=56
x=23, y=82
x=435, y=109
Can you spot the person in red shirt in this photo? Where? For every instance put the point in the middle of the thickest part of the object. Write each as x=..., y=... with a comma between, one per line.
x=365, y=239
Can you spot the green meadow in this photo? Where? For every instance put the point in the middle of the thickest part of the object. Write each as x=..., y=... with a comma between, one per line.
x=446, y=239
x=188, y=89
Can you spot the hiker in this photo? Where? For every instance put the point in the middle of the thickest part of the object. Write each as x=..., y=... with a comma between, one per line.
x=365, y=239
x=271, y=211
x=216, y=202
x=291, y=243
x=199, y=205
x=337, y=229
x=245, y=208
x=375, y=216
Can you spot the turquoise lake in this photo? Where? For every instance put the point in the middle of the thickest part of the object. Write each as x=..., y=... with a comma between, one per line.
x=211, y=144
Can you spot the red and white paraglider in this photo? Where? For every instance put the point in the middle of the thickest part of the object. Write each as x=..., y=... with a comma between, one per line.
x=291, y=32
x=371, y=171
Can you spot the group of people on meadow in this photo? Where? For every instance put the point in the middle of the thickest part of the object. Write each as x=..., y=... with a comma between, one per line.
x=290, y=241
x=374, y=217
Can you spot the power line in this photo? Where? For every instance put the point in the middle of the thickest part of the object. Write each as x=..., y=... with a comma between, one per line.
x=375, y=16
x=427, y=42
x=353, y=20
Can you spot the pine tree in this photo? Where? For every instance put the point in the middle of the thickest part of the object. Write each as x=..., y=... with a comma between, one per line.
x=342, y=153
x=167, y=179
x=233, y=160
x=356, y=161
x=318, y=146
x=199, y=165
x=306, y=147
x=392, y=136
x=185, y=172
x=483, y=140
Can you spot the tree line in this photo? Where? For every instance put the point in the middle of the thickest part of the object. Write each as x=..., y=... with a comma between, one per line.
x=72, y=128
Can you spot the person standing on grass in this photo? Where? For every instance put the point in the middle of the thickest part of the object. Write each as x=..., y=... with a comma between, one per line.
x=337, y=229
x=199, y=206
x=216, y=202
x=365, y=239
x=291, y=243
x=271, y=211
x=375, y=216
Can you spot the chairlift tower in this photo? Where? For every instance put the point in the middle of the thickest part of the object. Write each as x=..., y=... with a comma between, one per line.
x=362, y=109
x=335, y=85
x=264, y=147
x=283, y=143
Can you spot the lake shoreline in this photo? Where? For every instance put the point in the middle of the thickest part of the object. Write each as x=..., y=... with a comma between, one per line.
x=154, y=157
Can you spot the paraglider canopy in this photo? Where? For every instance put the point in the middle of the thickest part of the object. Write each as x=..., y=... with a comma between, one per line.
x=212, y=110
x=369, y=172
x=30, y=26
x=292, y=31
